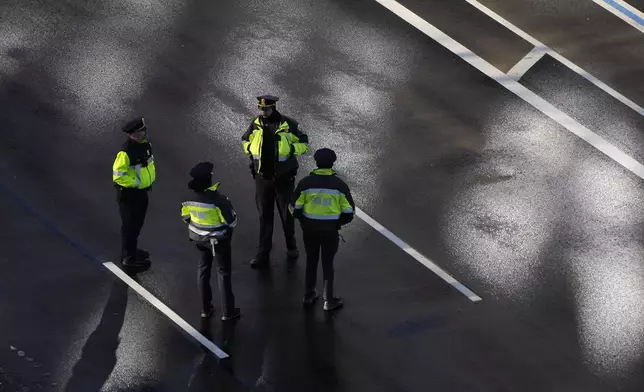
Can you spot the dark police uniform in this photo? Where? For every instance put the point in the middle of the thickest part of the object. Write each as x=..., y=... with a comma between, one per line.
x=322, y=202
x=133, y=174
x=211, y=219
x=273, y=143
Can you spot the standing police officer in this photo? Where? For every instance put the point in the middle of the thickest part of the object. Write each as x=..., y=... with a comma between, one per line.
x=272, y=141
x=211, y=219
x=133, y=174
x=322, y=203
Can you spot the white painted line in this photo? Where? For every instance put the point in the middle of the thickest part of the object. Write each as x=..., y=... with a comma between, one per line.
x=416, y=255
x=624, y=11
x=165, y=310
x=526, y=63
x=533, y=99
x=555, y=55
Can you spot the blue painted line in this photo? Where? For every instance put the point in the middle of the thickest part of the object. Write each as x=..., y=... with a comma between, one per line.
x=625, y=11
x=416, y=326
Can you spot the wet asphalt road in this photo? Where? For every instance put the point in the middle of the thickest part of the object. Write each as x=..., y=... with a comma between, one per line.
x=538, y=223
x=586, y=34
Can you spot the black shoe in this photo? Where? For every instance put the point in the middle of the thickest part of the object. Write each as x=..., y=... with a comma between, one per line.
x=207, y=313
x=142, y=254
x=293, y=254
x=134, y=263
x=234, y=314
x=259, y=261
x=334, y=303
x=310, y=298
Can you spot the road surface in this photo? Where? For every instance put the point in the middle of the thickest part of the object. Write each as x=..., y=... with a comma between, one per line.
x=545, y=228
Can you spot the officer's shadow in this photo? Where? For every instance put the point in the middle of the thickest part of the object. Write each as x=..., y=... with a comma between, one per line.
x=224, y=339
x=299, y=343
x=320, y=338
x=99, y=353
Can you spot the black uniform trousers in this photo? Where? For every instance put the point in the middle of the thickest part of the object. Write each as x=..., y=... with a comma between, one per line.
x=223, y=256
x=133, y=206
x=315, y=242
x=269, y=192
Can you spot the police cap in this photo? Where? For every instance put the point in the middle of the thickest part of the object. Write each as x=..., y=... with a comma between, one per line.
x=138, y=124
x=324, y=157
x=267, y=101
x=202, y=171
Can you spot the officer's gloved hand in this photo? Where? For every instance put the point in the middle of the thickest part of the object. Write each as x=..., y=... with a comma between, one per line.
x=292, y=150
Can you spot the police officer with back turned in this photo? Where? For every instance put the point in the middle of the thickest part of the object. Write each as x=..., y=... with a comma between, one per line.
x=133, y=174
x=273, y=141
x=322, y=202
x=211, y=219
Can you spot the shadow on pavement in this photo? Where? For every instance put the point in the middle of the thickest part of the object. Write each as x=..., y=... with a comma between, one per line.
x=99, y=354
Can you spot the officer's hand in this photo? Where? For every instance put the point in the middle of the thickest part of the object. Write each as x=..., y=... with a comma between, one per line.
x=292, y=150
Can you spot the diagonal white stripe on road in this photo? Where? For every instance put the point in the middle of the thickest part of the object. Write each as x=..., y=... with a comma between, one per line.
x=526, y=63
x=506, y=81
x=416, y=255
x=522, y=92
x=166, y=310
x=546, y=50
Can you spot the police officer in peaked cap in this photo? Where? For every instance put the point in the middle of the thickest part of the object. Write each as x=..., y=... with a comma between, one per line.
x=273, y=142
x=133, y=174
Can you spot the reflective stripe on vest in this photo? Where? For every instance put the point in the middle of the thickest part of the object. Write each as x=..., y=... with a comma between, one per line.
x=204, y=216
x=283, y=145
x=137, y=170
x=322, y=203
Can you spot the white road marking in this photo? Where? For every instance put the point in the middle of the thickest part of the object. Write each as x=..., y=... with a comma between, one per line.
x=166, y=310
x=522, y=92
x=555, y=55
x=624, y=11
x=526, y=63
x=416, y=255
x=533, y=99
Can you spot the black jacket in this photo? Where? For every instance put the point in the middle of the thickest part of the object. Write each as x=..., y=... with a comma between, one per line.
x=327, y=181
x=271, y=167
x=218, y=199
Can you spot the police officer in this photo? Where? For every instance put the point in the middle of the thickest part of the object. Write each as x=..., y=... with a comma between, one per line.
x=133, y=174
x=211, y=219
x=322, y=202
x=273, y=141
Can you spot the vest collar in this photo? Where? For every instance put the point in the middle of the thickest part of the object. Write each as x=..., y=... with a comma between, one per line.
x=323, y=172
x=282, y=124
x=213, y=187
